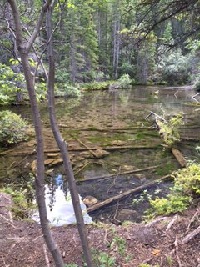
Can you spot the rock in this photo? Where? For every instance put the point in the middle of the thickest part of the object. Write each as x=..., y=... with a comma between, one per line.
x=48, y=161
x=100, y=153
x=89, y=201
x=52, y=155
x=118, y=143
x=127, y=215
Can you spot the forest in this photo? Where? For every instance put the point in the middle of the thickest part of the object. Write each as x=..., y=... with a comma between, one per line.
x=99, y=133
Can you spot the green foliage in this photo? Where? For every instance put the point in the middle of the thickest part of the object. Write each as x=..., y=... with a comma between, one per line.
x=186, y=186
x=10, y=84
x=171, y=204
x=20, y=206
x=169, y=130
x=187, y=180
x=67, y=90
x=120, y=244
x=124, y=81
x=102, y=259
x=95, y=86
x=175, y=68
x=13, y=129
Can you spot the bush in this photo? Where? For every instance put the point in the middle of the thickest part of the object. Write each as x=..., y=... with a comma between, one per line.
x=175, y=68
x=169, y=129
x=13, y=129
x=10, y=84
x=67, y=90
x=186, y=187
x=124, y=81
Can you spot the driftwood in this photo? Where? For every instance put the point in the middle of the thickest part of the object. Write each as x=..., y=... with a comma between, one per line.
x=179, y=156
x=117, y=174
x=125, y=194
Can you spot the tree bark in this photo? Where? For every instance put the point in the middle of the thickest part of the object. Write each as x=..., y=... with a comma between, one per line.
x=23, y=49
x=62, y=145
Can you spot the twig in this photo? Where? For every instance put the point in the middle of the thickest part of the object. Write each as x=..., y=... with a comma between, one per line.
x=45, y=255
x=172, y=222
x=81, y=168
x=8, y=221
x=176, y=251
x=194, y=217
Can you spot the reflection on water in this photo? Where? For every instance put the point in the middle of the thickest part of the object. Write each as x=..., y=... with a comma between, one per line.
x=59, y=207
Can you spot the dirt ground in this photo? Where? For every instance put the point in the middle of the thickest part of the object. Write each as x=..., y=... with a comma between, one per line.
x=172, y=241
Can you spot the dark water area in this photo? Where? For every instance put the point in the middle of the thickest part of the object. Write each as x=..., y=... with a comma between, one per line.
x=108, y=134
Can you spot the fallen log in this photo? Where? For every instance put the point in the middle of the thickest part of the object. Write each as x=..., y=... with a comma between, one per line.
x=179, y=156
x=125, y=194
x=117, y=174
x=56, y=150
x=107, y=129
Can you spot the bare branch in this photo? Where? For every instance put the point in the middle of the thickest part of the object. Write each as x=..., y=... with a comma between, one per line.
x=38, y=25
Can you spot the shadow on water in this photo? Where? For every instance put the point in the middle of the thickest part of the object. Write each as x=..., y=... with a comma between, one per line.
x=108, y=134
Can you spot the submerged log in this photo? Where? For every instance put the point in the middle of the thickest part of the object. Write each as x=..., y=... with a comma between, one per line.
x=56, y=150
x=126, y=193
x=117, y=174
x=179, y=156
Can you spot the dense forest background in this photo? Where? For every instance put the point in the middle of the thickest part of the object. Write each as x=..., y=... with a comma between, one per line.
x=151, y=41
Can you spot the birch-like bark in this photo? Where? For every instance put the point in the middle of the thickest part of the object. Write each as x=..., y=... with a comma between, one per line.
x=62, y=145
x=23, y=49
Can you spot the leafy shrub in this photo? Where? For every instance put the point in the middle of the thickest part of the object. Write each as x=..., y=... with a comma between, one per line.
x=175, y=68
x=124, y=81
x=95, y=86
x=67, y=90
x=170, y=129
x=13, y=129
x=20, y=206
x=186, y=186
x=10, y=84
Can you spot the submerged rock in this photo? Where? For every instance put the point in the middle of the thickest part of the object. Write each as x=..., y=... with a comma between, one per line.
x=127, y=215
x=90, y=200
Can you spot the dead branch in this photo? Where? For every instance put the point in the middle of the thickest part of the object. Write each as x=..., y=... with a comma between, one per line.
x=194, y=217
x=80, y=142
x=46, y=256
x=174, y=219
x=125, y=194
x=191, y=235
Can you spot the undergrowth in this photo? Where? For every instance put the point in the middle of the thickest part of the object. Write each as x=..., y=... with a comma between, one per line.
x=186, y=187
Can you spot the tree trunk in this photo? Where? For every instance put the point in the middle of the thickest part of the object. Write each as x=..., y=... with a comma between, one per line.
x=116, y=38
x=39, y=180
x=63, y=147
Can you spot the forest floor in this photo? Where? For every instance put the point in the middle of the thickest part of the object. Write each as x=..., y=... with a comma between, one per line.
x=172, y=241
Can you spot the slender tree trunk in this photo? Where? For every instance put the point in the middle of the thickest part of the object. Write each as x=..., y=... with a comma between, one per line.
x=23, y=52
x=62, y=145
x=116, y=38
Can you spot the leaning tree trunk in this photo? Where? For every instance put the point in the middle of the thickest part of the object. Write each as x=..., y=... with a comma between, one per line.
x=62, y=145
x=23, y=49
